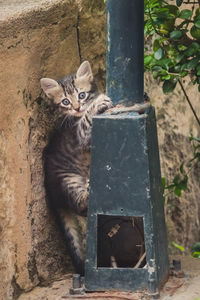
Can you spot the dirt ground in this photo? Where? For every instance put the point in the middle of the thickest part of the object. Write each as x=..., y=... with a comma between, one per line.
x=177, y=288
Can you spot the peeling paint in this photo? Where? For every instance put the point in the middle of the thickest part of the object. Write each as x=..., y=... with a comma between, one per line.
x=118, y=59
x=108, y=187
x=127, y=60
x=108, y=168
x=151, y=266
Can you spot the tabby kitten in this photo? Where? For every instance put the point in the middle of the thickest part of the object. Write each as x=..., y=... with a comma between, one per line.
x=67, y=156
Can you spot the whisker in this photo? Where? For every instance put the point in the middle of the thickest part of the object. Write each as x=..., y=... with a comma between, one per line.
x=63, y=121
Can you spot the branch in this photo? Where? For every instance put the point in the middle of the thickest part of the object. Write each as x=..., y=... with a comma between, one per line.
x=193, y=2
x=189, y=102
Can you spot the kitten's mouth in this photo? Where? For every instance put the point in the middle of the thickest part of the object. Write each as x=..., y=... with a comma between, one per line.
x=77, y=113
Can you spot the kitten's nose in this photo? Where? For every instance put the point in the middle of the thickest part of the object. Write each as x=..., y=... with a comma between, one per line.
x=77, y=108
x=76, y=105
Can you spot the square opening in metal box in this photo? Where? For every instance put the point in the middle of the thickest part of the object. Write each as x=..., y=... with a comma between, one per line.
x=120, y=242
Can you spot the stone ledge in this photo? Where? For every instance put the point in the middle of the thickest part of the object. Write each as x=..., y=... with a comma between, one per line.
x=26, y=15
x=14, y=8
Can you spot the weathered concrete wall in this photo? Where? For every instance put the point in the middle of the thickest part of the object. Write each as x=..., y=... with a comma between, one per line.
x=49, y=38
x=175, y=123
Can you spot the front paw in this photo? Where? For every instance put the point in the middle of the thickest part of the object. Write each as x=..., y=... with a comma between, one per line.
x=103, y=103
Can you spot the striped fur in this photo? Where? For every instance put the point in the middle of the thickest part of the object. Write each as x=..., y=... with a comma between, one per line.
x=67, y=156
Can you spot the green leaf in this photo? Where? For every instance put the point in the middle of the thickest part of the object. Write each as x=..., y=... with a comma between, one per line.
x=181, y=248
x=170, y=187
x=195, y=139
x=196, y=46
x=164, y=63
x=147, y=59
x=179, y=2
x=177, y=68
x=198, y=70
x=156, y=45
x=185, y=14
x=184, y=66
x=158, y=54
x=197, y=12
x=197, y=24
x=197, y=21
x=173, y=10
x=176, y=34
x=195, y=32
x=155, y=74
x=196, y=254
x=177, y=191
x=192, y=63
x=166, y=77
x=176, y=179
x=183, y=183
x=196, y=247
x=182, y=47
x=192, y=49
x=169, y=86
x=183, y=74
x=159, y=70
x=179, y=57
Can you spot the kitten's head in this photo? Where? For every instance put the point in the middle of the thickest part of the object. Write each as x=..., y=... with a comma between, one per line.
x=73, y=93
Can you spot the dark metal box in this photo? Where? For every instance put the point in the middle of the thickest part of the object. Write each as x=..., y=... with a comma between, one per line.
x=125, y=180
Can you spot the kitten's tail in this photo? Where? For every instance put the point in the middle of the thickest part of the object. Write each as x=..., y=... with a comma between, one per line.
x=74, y=228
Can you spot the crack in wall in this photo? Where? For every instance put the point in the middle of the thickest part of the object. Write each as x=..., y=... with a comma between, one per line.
x=17, y=290
x=78, y=36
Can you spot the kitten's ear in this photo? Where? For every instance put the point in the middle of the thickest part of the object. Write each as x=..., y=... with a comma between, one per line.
x=85, y=71
x=50, y=87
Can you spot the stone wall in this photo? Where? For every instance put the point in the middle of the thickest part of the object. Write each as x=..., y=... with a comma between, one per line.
x=175, y=123
x=49, y=38
x=37, y=39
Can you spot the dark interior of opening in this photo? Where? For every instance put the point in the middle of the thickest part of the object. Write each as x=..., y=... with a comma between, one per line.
x=120, y=242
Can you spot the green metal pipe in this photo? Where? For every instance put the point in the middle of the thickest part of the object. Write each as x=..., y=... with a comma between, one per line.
x=125, y=51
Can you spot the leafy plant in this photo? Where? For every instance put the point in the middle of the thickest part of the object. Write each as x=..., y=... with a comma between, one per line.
x=175, y=54
x=176, y=48
x=180, y=181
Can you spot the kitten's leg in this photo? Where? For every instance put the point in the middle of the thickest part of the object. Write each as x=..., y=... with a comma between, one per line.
x=77, y=189
x=75, y=233
x=84, y=125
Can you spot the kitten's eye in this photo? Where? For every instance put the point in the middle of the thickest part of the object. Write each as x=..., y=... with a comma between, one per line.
x=82, y=95
x=65, y=101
